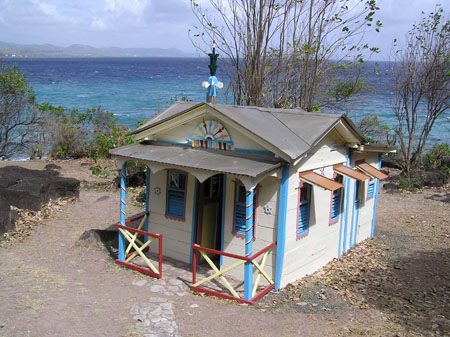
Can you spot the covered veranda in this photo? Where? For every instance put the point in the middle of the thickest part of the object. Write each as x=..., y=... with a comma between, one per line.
x=204, y=164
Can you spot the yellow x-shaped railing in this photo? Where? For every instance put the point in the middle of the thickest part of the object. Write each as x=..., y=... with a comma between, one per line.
x=131, y=235
x=220, y=273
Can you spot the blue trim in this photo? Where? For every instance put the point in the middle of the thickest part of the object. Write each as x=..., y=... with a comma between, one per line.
x=172, y=142
x=194, y=209
x=229, y=142
x=147, y=201
x=176, y=196
x=123, y=195
x=356, y=222
x=377, y=187
x=240, y=214
x=254, y=151
x=347, y=188
x=248, y=267
x=352, y=229
x=281, y=232
x=224, y=199
x=342, y=222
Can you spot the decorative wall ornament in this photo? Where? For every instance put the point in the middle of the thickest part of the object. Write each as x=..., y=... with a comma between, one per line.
x=157, y=190
x=268, y=210
x=322, y=171
x=211, y=134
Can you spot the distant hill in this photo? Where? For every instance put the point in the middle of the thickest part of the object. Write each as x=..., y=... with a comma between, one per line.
x=80, y=50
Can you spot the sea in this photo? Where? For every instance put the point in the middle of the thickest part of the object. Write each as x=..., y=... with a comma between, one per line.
x=134, y=89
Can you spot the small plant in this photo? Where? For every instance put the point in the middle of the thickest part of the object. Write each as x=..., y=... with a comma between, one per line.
x=435, y=159
x=100, y=171
x=411, y=184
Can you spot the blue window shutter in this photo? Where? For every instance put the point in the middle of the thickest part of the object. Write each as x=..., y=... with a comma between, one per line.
x=176, y=194
x=371, y=189
x=303, y=218
x=239, y=209
x=335, y=205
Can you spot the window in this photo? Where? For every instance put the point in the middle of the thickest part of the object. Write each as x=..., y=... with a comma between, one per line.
x=371, y=188
x=303, y=211
x=336, y=202
x=240, y=209
x=176, y=194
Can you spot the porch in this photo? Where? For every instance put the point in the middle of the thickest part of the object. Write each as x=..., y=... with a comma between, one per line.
x=199, y=207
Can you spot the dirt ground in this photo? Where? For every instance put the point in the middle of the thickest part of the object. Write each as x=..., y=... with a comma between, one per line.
x=395, y=285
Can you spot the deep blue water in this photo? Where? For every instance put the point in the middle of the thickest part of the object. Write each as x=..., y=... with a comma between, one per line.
x=138, y=88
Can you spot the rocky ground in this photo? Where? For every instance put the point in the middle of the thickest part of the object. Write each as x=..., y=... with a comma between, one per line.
x=53, y=284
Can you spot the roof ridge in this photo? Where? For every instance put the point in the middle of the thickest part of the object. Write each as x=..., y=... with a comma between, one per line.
x=298, y=136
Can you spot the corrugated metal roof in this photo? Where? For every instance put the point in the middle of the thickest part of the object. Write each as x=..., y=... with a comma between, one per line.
x=292, y=131
x=218, y=161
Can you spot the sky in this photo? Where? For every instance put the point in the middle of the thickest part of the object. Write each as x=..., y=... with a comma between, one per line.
x=153, y=23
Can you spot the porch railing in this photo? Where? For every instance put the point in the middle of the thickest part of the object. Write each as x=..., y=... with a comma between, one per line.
x=219, y=274
x=136, y=247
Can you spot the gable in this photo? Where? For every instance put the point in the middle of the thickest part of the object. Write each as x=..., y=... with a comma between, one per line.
x=288, y=133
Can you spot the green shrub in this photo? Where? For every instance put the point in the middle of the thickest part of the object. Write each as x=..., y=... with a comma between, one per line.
x=73, y=134
x=435, y=158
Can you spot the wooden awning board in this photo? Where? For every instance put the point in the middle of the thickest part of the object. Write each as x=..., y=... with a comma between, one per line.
x=349, y=172
x=319, y=180
x=370, y=170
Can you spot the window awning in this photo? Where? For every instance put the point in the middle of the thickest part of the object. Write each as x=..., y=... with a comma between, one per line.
x=349, y=172
x=370, y=170
x=319, y=180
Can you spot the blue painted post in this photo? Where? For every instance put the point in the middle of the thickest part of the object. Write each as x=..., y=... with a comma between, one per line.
x=377, y=187
x=123, y=194
x=347, y=190
x=281, y=232
x=248, y=268
x=353, y=214
x=147, y=201
x=194, y=209
x=224, y=199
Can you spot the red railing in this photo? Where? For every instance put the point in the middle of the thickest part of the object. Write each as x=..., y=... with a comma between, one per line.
x=242, y=259
x=139, y=251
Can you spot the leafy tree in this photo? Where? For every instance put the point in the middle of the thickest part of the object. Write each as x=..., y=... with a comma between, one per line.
x=422, y=90
x=19, y=115
x=288, y=53
x=375, y=130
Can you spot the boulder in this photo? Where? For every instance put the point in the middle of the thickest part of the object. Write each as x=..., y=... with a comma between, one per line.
x=30, y=189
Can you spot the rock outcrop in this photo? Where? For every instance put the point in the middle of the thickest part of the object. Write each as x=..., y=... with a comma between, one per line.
x=30, y=189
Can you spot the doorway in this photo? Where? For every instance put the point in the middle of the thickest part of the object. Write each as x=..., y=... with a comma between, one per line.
x=208, y=217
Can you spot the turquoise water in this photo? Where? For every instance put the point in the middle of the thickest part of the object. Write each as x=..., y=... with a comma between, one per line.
x=138, y=88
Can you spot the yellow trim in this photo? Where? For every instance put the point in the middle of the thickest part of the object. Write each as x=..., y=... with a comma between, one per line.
x=219, y=274
x=138, y=250
x=136, y=234
x=260, y=268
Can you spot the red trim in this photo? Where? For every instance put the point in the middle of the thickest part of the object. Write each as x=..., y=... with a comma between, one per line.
x=183, y=219
x=160, y=247
x=300, y=185
x=255, y=209
x=226, y=296
x=330, y=223
x=139, y=269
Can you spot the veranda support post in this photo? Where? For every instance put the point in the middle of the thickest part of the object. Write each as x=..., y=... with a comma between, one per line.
x=248, y=268
x=147, y=199
x=123, y=193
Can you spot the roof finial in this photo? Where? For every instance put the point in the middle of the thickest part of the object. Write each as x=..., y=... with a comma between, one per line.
x=213, y=83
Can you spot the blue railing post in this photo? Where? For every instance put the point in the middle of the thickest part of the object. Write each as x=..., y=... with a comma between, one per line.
x=123, y=194
x=147, y=201
x=281, y=231
x=248, y=268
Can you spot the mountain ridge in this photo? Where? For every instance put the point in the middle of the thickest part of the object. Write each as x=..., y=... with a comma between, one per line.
x=8, y=49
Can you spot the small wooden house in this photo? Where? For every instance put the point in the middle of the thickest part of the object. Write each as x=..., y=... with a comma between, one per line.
x=235, y=181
